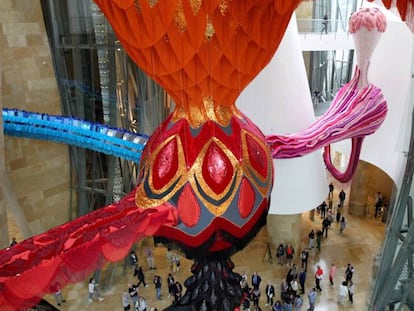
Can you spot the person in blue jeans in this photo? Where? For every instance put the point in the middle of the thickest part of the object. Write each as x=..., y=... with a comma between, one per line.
x=312, y=299
x=158, y=282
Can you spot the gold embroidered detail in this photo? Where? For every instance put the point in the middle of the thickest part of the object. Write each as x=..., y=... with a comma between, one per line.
x=224, y=114
x=218, y=113
x=195, y=175
x=223, y=7
x=175, y=183
x=209, y=108
x=209, y=33
x=195, y=5
x=138, y=5
x=197, y=115
x=152, y=3
x=179, y=18
x=260, y=183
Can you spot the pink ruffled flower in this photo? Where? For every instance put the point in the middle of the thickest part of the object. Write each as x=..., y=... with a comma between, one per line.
x=370, y=18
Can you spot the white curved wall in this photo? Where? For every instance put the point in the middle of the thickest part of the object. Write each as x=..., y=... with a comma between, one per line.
x=278, y=101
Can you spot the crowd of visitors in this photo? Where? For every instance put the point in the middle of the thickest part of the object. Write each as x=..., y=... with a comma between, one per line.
x=301, y=288
x=291, y=293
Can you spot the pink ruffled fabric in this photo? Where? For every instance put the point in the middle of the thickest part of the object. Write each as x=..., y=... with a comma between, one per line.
x=354, y=113
x=370, y=18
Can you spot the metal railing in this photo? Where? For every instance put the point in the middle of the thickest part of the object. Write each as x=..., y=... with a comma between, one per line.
x=322, y=26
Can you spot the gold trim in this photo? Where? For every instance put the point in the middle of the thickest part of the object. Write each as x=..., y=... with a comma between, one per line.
x=197, y=116
x=223, y=6
x=209, y=33
x=179, y=18
x=196, y=5
x=152, y=3
x=181, y=176
x=208, y=103
x=138, y=6
x=247, y=163
x=196, y=171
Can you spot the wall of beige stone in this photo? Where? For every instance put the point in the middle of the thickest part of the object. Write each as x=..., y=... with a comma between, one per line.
x=285, y=229
x=4, y=233
x=38, y=170
x=367, y=181
x=304, y=9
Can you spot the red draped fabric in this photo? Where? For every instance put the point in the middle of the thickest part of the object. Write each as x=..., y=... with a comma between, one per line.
x=70, y=252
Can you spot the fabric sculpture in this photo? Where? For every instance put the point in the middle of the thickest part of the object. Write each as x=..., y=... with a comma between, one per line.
x=405, y=9
x=206, y=173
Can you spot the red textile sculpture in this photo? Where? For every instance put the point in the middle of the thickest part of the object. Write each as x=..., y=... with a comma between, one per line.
x=207, y=159
x=206, y=173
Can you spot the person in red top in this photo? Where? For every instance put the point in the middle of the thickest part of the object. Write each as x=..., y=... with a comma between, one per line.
x=318, y=277
x=289, y=250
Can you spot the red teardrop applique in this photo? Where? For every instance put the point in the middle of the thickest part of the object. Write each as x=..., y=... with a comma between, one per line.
x=246, y=198
x=217, y=168
x=257, y=156
x=165, y=165
x=188, y=207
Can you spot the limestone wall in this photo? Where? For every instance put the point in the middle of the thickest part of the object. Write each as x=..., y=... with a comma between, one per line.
x=37, y=170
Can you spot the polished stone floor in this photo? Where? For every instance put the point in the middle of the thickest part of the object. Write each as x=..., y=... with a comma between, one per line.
x=358, y=245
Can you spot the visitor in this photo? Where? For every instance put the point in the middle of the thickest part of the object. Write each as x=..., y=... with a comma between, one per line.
x=304, y=257
x=125, y=301
x=280, y=254
x=351, y=290
x=343, y=292
x=139, y=273
x=94, y=294
x=311, y=239
x=349, y=272
x=331, y=189
x=56, y=288
x=342, y=196
x=290, y=251
x=141, y=304
x=157, y=280
x=256, y=280
x=318, y=277
x=270, y=293
x=133, y=293
x=302, y=280
x=332, y=273
x=13, y=241
x=325, y=24
x=149, y=254
x=342, y=225
x=312, y=299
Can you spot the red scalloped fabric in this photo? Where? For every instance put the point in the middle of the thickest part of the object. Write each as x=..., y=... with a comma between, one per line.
x=70, y=252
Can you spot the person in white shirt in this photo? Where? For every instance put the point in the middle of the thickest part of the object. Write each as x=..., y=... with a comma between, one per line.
x=141, y=304
x=93, y=291
x=343, y=292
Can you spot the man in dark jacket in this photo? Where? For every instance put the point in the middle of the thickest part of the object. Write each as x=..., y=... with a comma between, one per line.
x=256, y=279
x=342, y=196
x=326, y=224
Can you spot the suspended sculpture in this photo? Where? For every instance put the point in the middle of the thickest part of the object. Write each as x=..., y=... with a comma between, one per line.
x=404, y=8
x=206, y=173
